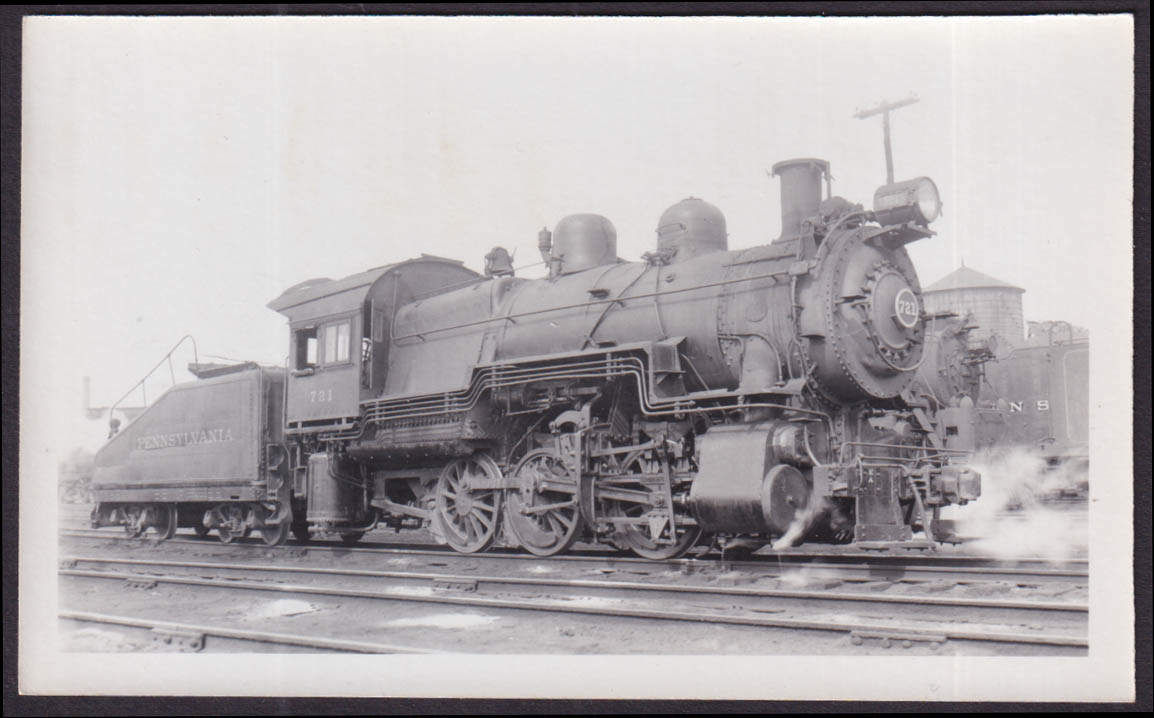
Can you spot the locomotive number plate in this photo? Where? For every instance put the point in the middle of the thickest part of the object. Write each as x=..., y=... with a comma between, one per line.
x=906, y=308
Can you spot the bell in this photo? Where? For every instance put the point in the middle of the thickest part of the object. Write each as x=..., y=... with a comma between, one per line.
x=498, y=263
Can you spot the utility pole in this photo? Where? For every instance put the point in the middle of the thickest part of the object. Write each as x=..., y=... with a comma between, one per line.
x=884, y=109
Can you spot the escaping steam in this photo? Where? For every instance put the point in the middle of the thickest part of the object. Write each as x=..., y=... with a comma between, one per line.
x=802, y=522
x=1015, y=515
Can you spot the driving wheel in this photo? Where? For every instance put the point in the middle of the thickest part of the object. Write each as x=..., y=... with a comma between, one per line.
x=649, y=533
x=542, y=512
x=468, y=503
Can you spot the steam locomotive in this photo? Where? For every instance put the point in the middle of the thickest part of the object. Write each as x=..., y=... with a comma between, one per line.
x=753, y=395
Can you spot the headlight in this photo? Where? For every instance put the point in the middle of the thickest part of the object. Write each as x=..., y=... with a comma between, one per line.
x=915, y=200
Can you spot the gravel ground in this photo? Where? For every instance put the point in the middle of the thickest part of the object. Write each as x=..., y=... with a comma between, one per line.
x=481, y=630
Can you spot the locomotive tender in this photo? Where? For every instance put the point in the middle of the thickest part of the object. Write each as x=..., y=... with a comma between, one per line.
x=207, y=449
x=758, y=394
x=1032, y=398
x=1043, y=391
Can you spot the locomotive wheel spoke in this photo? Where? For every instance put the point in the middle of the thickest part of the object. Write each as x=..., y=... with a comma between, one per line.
x=468, y=517
x=554, y=529
x=636, y=537
x=479, y=517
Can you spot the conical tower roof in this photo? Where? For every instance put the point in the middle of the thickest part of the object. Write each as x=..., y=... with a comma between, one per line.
x=965, y=278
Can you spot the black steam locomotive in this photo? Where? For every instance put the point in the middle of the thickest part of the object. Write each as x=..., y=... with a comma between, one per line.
x=760, y=394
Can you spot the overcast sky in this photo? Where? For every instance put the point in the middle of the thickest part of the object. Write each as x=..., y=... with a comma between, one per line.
x=180, y=173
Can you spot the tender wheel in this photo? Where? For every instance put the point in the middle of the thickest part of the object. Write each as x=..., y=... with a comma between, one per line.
x=134, y=521
x=166, y=518
x=542, y=512
x=468, y=503
x=349, y=539
x=233, y=523
x=275, y=535
x=651, y=539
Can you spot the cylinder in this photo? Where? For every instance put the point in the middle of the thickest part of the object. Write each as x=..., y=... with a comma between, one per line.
x=742, y=486
x=800, y=191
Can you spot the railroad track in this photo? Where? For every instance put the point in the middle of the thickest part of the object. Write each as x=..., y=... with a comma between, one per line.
x=193, y=637
x=857, y=567
x=928, y=619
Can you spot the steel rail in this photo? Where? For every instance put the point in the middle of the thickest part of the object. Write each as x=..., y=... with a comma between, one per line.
x=603, y=585
x=261, y=637
x=948, y=631
x=873, y=567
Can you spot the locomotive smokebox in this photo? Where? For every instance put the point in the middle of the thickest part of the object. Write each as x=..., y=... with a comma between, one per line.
x=690, y=228
x=800, y=191
x=584, y=241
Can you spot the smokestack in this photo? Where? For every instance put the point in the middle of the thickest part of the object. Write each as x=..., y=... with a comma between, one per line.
x=800, y=192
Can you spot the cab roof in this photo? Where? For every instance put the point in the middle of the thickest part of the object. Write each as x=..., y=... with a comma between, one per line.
x=321, y=297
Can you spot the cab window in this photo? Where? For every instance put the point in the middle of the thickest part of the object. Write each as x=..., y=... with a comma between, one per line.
x=336, y=343
x=306, y=348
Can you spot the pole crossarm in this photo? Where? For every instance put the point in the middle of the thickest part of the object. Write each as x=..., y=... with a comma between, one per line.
x=886, y=106
x=884, y=110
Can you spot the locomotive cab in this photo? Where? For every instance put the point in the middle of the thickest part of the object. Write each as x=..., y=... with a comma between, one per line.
x=340, y=335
